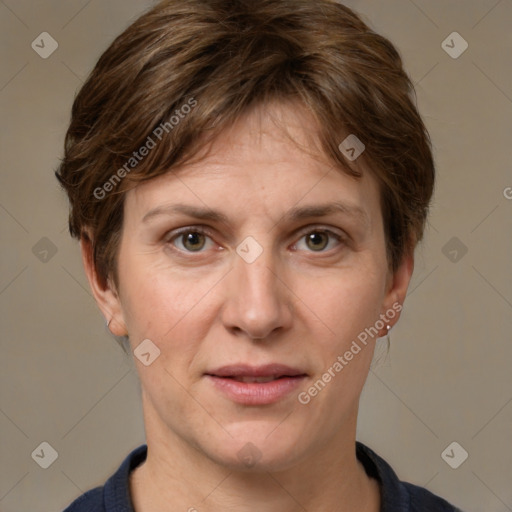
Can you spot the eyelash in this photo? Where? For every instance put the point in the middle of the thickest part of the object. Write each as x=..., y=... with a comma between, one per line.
x=175, y=234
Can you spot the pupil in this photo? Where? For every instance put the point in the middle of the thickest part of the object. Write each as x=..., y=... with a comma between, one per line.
x=193, y=239
x=317, y=237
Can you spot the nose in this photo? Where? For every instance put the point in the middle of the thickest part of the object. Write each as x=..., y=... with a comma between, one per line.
x=258, y=303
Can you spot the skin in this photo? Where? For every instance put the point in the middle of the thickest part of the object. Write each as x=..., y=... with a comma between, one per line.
x=301, y=303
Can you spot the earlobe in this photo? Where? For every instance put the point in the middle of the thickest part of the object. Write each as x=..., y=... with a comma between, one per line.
x=105, y=295
x=398, y=284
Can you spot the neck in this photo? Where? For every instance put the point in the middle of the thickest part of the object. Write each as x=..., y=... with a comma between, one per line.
x=176, y=476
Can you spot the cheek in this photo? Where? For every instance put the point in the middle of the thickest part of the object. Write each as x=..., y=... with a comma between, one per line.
x=156, y=298
x=169, y=308
x=343, y=304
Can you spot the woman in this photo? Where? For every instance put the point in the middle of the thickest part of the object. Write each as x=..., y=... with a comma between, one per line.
x=248, y=181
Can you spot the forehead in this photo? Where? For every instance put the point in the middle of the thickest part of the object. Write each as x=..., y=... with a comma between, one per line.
x=272, y=149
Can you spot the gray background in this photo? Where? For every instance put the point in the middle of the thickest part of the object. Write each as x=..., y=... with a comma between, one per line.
x=447, y=378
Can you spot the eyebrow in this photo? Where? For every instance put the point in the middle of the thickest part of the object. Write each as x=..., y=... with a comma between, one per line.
x=295, y=213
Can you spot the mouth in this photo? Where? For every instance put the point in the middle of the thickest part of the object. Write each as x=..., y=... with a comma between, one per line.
x=261, y=385
x=260, y=379
x=267, y=371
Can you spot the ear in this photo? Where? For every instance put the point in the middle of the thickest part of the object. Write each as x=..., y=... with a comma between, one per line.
x=396, y=290
x=106, y=296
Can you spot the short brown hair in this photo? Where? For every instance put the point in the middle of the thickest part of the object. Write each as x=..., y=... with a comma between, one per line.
x=223, y=57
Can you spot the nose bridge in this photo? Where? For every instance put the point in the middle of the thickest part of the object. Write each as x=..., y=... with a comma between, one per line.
x=258, y=302
x=258, y=278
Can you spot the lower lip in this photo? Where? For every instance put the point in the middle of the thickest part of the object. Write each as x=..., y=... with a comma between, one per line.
x=256, y=393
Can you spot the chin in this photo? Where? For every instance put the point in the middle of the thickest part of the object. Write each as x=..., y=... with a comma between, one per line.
x=257, y=448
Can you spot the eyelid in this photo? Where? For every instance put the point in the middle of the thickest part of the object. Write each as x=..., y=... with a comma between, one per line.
x=207, y=230
x=174, y=233
x=320, y=227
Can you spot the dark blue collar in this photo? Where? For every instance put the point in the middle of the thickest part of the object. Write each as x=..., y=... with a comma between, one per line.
x=396, y=496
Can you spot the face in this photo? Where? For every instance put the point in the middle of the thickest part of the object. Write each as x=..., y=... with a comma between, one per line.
x=260, y=254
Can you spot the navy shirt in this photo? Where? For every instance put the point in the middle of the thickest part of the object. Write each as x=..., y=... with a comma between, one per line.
x=396, y=496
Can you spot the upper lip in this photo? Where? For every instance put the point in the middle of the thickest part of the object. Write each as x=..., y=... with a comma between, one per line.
x=245, y=370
